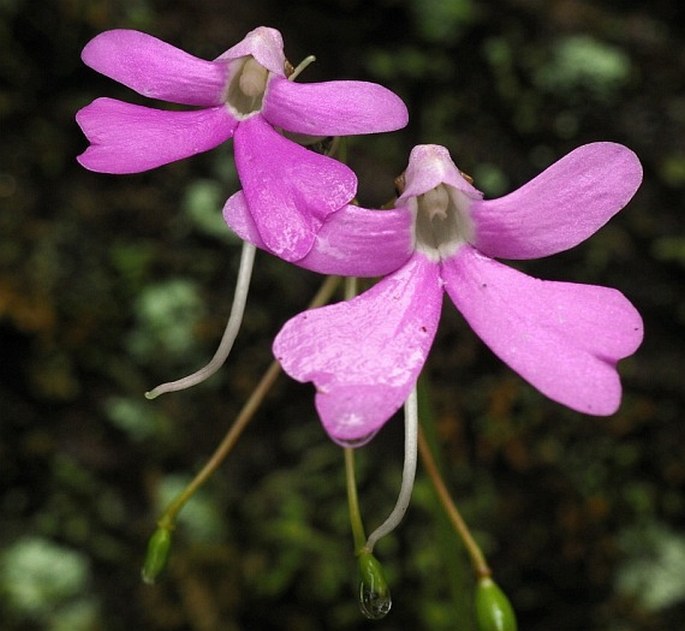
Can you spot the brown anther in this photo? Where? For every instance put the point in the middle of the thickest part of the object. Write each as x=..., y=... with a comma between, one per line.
x=400, y=184
x=466, y=176
x=288, y=68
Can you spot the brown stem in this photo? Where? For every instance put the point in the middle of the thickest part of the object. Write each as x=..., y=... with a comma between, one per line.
x=243, y=419
x=480, y=565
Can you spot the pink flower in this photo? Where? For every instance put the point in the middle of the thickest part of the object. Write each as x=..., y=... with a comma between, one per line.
x=365, y=355
x=243, y=94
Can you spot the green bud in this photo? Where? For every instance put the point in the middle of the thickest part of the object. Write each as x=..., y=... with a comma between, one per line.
x=493, y=609
x=374, y=594
x=157, y=555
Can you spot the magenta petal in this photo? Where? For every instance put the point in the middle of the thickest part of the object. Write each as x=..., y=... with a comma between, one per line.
x=429, y=166
x=563, y=338
x=335, y=108
x=128, y=138
x=365, y=355
x=562, y=206
x=289, y=190
x=360, y=242
x=352, y=242
x=237, y=216
x=265, y=44
x=156, y=69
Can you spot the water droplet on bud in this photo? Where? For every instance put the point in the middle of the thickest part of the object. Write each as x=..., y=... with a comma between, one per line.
x=374, y=605
x=374, y=594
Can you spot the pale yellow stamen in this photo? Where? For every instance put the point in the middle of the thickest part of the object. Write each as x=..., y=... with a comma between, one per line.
x=443, y=222
x=253, y=78
x=435, y=202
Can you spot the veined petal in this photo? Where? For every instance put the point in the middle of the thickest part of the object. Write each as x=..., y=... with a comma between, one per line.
x=128, y=138
x=352, y=241
x=365, y=355
x=289, y=190
x=563, y=338
x=562, y=206
x=265, y=44
x=156, y=69
x=334, y=108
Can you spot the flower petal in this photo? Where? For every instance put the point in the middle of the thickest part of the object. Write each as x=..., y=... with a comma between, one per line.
x=562, y=206
x=156, y=69
x=334, y=108
x=265, y=44
x=128, y=138
x=289, y=190
x=360, y=242
x=429, y=166
x=563, y=338
x=365, y=355
x=352, y=242
x=237, y=216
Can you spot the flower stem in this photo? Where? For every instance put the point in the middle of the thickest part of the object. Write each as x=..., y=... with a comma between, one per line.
x=480, y=565
x=356, y=522
x=230, y=333
x=353, y=502
x=411, y=424
x=242, y=420
x=230, y=439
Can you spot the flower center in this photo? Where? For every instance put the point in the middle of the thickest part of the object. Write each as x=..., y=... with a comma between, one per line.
x=247, y=87
x=442, y=221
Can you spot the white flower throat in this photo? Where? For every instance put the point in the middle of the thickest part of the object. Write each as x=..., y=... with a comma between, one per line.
x=247, y=86
x=442, y=222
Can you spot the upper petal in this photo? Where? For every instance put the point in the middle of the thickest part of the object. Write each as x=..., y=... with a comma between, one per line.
x=351, y=242
x=265, y=44
x=289, y=190
x=563, y=338
x=334, y=108
x=156, y=69
x=429, y=166
x=365, y=355
x=562, y=206
x=128, y=138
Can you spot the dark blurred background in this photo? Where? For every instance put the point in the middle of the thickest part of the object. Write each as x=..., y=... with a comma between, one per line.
x=109, y=285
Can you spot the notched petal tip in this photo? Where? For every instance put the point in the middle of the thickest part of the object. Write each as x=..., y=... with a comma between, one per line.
x=565, y=339
x=365, y=355
x=127, y=138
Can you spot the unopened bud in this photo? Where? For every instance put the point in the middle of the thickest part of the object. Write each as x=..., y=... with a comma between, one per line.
x=374, y=593
x=157, y=555
x=493, y=609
